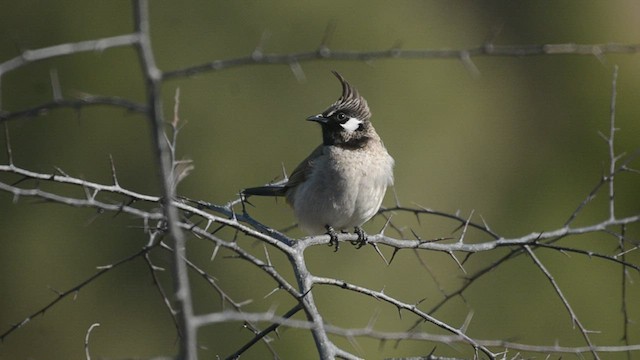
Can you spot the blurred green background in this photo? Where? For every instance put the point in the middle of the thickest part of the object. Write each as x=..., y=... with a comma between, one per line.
x=518, y=146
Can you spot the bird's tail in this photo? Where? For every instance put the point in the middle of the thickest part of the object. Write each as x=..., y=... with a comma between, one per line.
x=272, y=190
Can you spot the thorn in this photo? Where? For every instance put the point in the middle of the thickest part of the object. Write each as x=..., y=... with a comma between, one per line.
x=157, y=268
x=266, y=254
x=386, y=224
x=466, y=226
x=222, y=226
x=457, y=261
x=59, y=170
x=417, y=214
x=393, y=256
x=467, y=321
x=493, y=35
x=113, y=172
x=8, y=144
x=215, y=252
x=258, y=53
x=271, y=292
x=55, y=85
x=375, y=246
x=209, y=222
x=246, y=302
x=484, y=223
x=326, y=38
x=467, y=256
x=233, y=215
x=415, y=235
x=87, y=193
x=54, y=290
x=297, y=71
x=603, y=136
x=465, y=57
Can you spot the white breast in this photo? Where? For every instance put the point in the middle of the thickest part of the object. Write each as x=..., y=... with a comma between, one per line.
x=344, y=190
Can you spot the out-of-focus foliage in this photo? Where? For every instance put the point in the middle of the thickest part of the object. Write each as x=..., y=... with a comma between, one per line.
x=518, y=145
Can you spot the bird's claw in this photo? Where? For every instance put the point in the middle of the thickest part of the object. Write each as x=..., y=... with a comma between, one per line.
x=333, y=241
x=362, y=237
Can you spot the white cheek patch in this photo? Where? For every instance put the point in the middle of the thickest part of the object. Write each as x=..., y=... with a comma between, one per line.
x=351, y=125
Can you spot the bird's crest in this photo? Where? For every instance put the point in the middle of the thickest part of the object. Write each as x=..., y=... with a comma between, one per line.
x=350, y=99
x=348, y=91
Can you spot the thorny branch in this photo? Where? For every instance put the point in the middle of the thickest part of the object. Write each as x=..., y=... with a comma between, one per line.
x=464, y=55
x=234, y=223
x=153, y=78
x=556, y=287
x=179, y=216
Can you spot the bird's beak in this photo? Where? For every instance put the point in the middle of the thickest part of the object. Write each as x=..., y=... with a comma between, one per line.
x=318, y=118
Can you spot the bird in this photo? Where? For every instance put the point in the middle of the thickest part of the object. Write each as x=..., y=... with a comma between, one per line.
x=342, y=183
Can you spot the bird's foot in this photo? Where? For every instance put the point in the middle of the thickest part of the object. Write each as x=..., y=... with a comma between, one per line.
x=334, y=237
x=362, y=237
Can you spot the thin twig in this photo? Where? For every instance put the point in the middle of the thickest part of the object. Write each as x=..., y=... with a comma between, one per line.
x=76, y=104
x=72, y=290
x=556, y=287
x=31, y=56
x=163, y=294
x=259, y=336
x=624, y=293
x=86, y=340
x=610, y=143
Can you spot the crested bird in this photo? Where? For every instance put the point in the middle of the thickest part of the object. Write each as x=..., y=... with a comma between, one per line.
x=342, y=183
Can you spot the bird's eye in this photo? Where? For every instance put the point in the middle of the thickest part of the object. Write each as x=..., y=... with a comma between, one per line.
x=341, y=116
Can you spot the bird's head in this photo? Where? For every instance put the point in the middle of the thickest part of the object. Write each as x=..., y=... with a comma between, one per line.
x=346, y=122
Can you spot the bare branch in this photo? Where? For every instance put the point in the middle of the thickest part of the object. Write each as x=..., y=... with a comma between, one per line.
x=153, y=76
x=259, y=336
x=31, y=56
x=324, y=53
x=73, y=290
x=77, y=104
x=574, y=317
x=161, y=291
x=610, y=143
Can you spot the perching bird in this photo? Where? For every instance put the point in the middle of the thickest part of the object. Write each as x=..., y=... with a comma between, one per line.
x=342, y=183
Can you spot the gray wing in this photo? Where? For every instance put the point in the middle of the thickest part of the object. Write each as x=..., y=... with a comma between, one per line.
x=298, y=176
x=301, y=173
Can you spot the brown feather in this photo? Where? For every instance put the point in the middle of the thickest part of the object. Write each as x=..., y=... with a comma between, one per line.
x=301, y=173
